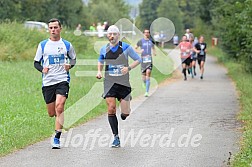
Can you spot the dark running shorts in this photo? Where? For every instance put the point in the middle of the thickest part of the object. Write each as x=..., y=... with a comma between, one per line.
x=187, y=61
x=144, y=67
x=201, y=58
x=50, y=92
x=118, y=91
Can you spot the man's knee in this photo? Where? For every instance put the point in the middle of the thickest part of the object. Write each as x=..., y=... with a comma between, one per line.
x=51, y=109
x=59, y=108
x=51, y=113
x=111, y=109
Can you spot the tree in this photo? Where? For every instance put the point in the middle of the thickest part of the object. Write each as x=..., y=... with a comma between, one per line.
x=10, y=10
x=169, y=9
x=43, y=10
x=232, y=20
x=111, y=11
x=189, y=9
x=148, y=13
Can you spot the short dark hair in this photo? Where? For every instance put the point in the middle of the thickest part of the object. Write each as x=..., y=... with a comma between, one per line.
x=54, y=20
x=146, y=29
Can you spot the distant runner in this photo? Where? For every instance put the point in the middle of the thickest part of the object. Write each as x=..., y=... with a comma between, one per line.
x=185, y=54
x=200, y=49
x=147, y=50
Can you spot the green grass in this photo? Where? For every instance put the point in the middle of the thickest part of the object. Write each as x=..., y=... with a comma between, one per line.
x=23, y=116
x=243, y=82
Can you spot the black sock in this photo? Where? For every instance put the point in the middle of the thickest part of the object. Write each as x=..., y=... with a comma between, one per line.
x=57, y=134
x=184, y=71
x=113, y=123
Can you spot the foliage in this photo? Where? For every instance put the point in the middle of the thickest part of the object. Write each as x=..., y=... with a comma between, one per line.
x=189, y=9
x=148, y=13
x=17, y=43
x=233, y=21
x=9, y=10
x=169, y=9
x=111, y=10
x=71, y=13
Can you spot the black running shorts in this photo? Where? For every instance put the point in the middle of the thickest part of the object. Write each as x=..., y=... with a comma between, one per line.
x=201, y=58
x=186, y=61
x=50, y=92
x=118, y=91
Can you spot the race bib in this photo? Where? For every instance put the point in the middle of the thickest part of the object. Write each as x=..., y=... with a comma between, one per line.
x=146, y=59
x=184, y=54
x=115, y=70
x=56, y=59
x=202, y=52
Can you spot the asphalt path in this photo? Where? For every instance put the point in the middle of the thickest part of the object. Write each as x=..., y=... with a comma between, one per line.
x=182, y=124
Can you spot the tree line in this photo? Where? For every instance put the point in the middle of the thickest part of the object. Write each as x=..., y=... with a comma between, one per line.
x=229, y=20
x=71, y=13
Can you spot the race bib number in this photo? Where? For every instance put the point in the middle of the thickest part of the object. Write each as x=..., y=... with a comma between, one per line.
x=115, y=70
x=56, y=59
x=147, y=59
x=202, y=52
x=185, y=54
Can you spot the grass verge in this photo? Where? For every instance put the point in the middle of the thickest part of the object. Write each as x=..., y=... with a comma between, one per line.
x=243, y=82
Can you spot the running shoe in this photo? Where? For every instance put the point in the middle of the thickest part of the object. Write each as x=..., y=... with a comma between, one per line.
x=56, y=143
x=124, y=116
x=146, y=94
x=201, y=77
x=116, y=142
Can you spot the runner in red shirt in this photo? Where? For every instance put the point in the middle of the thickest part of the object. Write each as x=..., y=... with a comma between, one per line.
x=185, y=54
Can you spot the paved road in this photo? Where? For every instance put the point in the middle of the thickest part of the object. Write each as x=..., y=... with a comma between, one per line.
x=182, y=124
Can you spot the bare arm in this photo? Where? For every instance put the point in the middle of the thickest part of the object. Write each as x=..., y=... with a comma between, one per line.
x=137, y=50
x=154, y=51
x=99, y=68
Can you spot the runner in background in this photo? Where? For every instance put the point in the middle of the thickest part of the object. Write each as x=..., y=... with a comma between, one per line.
x=185, y=54
x=201, y=49
x=147, y=50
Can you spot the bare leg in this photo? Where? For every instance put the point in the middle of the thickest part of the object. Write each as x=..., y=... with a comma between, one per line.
x=59, y=108
x=51, y=109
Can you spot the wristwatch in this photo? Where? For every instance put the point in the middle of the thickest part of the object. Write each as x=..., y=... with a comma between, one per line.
x=129, y=68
